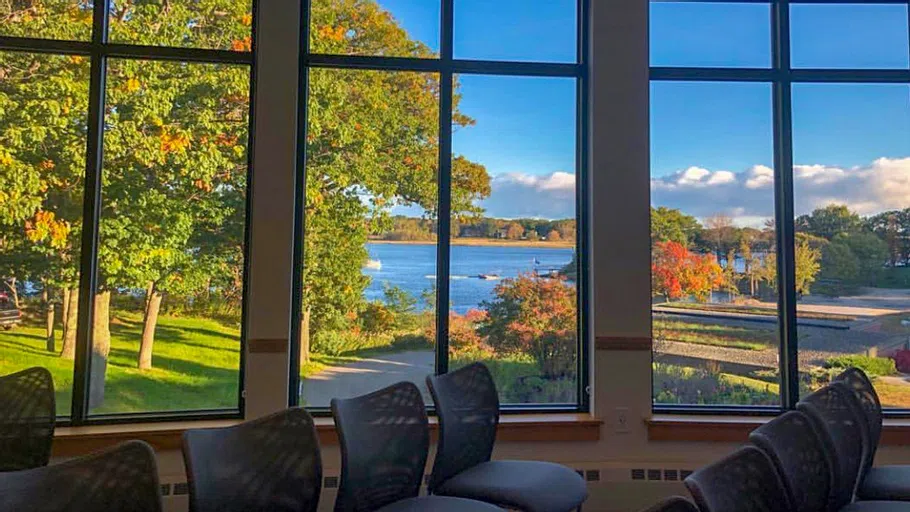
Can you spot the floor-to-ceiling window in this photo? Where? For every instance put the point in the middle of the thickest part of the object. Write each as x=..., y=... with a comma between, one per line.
x=780, y=167
x=439, y=208
x=124, y=129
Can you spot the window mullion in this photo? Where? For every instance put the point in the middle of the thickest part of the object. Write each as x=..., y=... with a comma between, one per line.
x=90, y=214
x=444, y=189
x=783, y=203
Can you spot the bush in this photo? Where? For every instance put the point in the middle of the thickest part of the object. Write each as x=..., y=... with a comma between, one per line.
x=376, y=318
x=902, y=360
x=534, y=316
x=463, y=335
x=682, y=385
x=335, y=343
x=873, y=366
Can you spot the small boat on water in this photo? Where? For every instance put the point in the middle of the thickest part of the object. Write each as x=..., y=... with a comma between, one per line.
x=488, y=277
x=373, y=265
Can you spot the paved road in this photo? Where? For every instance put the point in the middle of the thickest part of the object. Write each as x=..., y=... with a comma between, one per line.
x=369, y=375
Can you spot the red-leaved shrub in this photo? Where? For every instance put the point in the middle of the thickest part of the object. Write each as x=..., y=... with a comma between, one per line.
x=902, y=360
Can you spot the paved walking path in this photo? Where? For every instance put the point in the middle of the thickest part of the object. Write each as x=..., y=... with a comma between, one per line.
x=369, y=375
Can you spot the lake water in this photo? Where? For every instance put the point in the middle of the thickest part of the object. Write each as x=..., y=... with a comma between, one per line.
x=412, y=267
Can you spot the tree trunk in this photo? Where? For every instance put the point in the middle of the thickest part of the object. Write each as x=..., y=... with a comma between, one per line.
x=101, y=347
x=49, y=315
x=305, y=337
x=71, y=317
x=153, y=306
x=64, y=307
x=11, y=284
x=149, y=290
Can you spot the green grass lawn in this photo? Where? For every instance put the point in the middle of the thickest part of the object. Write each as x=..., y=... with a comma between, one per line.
x=693, y=331
x=196, y=364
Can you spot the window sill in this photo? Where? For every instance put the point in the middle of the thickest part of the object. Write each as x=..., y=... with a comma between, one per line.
x=736, y=429
x=74, y=441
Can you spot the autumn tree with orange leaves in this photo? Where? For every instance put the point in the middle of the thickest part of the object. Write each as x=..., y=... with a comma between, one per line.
x=676, y=272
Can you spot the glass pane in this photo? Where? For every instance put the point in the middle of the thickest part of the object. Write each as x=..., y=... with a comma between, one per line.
x=513, y=294
x=43, y=111
x=211, y=24
x=852, y=186
x=390, y=28
x=167, y=318
x=68, y=20
x=849, y=36
x=710, y=34
x=368, y=313
x=713, y=262
x=516, y=30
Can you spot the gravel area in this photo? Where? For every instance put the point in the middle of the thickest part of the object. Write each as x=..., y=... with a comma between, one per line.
x=816, y=344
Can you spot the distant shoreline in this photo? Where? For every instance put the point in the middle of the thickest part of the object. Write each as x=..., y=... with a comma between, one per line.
x=483, y=242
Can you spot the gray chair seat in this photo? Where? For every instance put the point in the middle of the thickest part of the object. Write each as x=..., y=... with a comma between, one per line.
x=439, y=504
x=877, y=506
x=886, y=483
x=530, y=486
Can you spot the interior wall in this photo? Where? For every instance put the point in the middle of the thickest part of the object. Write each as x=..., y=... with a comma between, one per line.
x=620, y=269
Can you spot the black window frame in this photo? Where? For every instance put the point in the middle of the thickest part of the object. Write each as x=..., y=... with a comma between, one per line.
x=99, y=50
x=446, y=67
x=781, y=76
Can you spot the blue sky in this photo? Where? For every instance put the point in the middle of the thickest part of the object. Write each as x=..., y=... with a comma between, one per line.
x=709, y=140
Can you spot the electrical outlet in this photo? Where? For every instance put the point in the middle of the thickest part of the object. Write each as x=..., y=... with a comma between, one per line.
x=621, y=420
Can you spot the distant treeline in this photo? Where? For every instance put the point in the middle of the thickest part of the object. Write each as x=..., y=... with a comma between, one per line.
x=418, y=229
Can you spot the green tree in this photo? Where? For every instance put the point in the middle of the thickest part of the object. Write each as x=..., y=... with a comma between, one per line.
x=807, y=265
x=857, y=258
x=829, y=221
x=894, y=228
x=670, y=224
x=174, y=146
x=372, y=143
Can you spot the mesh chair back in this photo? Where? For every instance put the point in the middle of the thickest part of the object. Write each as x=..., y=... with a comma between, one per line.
x=838, y=421
x=468, y=407
x=123, y=478
x=745, y=481
x=862, y=388
x=27, y=418
x=384, y=439
x=799, y=456
x=673, y=504
x=271, y=463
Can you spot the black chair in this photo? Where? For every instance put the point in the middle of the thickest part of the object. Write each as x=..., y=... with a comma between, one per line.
x=882, y=482
x=468, y=407
x=799, y=456
x=120, y=479
x=835, y=415
x=384, y=439
x=744, y=481
x=673, y=504
x=269, y=464
x=27, y=416
x=805, y=466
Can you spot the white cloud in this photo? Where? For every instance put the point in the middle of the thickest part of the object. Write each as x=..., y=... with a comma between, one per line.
x=515, y=195
x=748, y=196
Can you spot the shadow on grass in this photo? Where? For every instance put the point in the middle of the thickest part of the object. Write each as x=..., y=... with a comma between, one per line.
x=28, y=349
x=191, y=386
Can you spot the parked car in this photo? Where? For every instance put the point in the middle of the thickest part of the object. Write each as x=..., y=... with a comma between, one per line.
x=10, y=316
